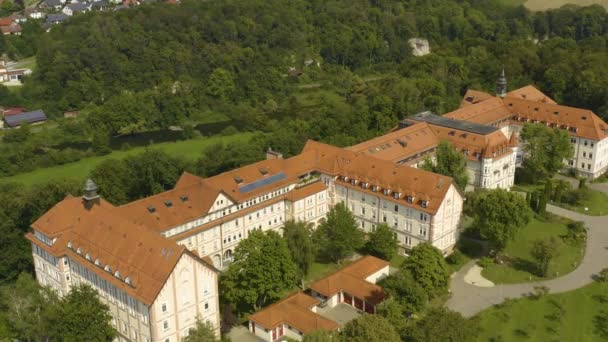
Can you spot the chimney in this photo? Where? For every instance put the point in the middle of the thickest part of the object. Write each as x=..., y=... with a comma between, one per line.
x=270, y=154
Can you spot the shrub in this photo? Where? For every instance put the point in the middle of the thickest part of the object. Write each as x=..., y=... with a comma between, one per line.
x=455, y=258
x=485, y=262
x=576, y=232
x=470, y=247
x=602, y=277
x=230, y=130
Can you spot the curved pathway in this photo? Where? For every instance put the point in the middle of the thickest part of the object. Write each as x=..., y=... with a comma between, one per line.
x=470, y=300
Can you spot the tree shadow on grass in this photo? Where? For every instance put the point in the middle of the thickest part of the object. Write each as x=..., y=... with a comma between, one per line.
x=600, y=321
x=524, y=265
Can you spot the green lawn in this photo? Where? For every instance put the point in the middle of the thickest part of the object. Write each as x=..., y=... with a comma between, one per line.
x=319, y=270
x=521, y=267
x=596, y=203
x=189, y=149
x=572, y=316
x=29, y=63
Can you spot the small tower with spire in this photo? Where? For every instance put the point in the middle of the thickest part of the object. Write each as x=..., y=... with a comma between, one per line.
x=501, y=85
x=90, y=196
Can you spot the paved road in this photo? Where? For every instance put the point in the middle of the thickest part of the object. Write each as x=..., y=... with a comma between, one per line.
x=469, y=300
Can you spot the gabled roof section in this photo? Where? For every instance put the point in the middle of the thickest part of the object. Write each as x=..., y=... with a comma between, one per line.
x=99, y=236
x=530, y=93
x=473, y=97
x=485, y=112
x=352, y=279
x=400, y=144
x=295, y=311
x=29, y=117
x=190, y=199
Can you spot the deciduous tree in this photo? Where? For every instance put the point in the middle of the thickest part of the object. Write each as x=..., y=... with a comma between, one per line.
x=545, y=149
x=261, y=272
x=428, y=268
x=202, y=332
x=499, y=215
x=404, y=289
x=339, y=235
x=382, y=242
x=543, y=251
x=441, y=325
x=449, y=162
x=298, y=236
x=369, y=328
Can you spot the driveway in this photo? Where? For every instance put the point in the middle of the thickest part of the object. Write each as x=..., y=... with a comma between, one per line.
x=470, y=300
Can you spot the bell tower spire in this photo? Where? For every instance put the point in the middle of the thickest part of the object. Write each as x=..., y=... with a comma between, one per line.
x=501, y=85
x=90, y=196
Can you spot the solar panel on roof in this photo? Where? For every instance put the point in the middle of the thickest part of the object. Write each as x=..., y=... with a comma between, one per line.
x=30, y=117
x=262, y=182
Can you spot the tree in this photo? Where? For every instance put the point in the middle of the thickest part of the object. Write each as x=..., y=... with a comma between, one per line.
x=203, y=332
x=369, y=328
x=428, y=268
x=543, y=251
x=339, y=235
x=394, y=312
x=81, y=316
x=443, y=325
x=18, y=135
x=114, y=180
x=499, y=215
x=298, y=236
x=382, y=243
x=261, y=272
x=320, y=336
x=449, y=162
x=545, y=149
x=403, y=288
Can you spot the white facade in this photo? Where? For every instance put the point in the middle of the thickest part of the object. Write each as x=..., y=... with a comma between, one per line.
x=190, y=292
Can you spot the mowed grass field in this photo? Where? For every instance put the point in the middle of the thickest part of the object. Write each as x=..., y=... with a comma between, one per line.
x=580, y=315
x=542, y=5
x=521, y=267
x=188, y=149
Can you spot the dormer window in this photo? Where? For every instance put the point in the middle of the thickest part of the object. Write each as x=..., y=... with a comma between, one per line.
x=424, y=204
x=353, y=181
x=128, y=280
x=396, y=195
x=79, y=251
x=238, y=180
x=70, y=245
x=108, y=269
x=151, y=209
x=117, y=274
x=375, y=188
x=97, y=262
x=168, y=204
x=364, y=185
x=387, y=192
x=410, y=199
x=88, y=257
x=264, y=171
x=184, y=198
x=345, y=178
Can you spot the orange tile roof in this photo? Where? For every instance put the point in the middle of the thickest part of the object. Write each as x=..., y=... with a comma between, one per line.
x=306, y=191
x=530, y=93
x=144, y=256
x=351, y=279
x=386, y=174
x=400, y=144
x=474, y=96
x=295, y=311
x=587, y=124
x=529, y=104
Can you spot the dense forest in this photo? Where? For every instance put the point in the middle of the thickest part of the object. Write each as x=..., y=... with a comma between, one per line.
x=336, y=71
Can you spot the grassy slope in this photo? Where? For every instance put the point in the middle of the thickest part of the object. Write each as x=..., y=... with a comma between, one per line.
x=523, y=265
x=189, y=149
x=569, y=316
x=597, y=203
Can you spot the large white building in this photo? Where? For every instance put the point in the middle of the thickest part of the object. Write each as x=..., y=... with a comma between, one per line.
x=155, y=288
x=509, y=111
x=147, y=259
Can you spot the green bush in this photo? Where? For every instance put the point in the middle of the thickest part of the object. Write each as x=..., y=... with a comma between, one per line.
x=455, y=258
x=485, y=262
x=470, y=247
x=603, y=276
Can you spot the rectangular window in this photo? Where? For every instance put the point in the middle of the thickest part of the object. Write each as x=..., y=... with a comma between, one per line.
x=395, y=222
x=206, y=306
x=584, y=154
x=163, y=307
x=166, y=325
x=590, y=155
x=396, y=208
